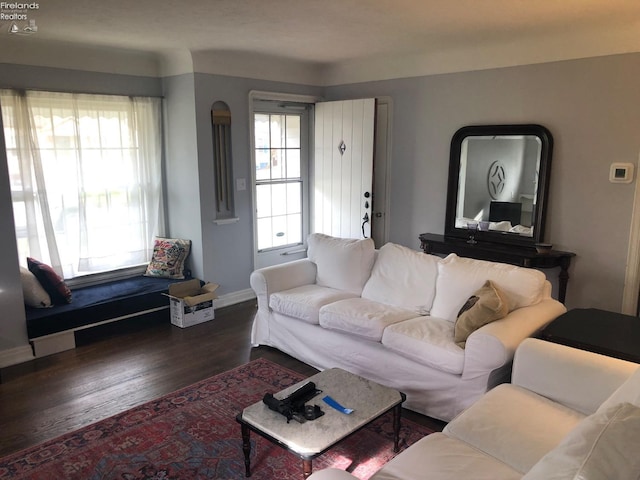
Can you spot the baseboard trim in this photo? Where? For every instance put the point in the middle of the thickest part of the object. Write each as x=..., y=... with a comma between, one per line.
x=12, y=356
x=234, y=298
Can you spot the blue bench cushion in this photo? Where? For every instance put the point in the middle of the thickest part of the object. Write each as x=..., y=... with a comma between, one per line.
x=98, y=303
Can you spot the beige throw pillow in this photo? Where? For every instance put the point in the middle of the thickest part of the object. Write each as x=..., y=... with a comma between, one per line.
x=34, y=294
x=486, y=305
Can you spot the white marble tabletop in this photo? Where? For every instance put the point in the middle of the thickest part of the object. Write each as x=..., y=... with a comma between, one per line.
x=367, y=399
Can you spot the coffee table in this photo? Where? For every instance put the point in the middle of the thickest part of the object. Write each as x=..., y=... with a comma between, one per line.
x=308, y=440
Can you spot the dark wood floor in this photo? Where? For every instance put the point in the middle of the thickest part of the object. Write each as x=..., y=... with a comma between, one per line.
x=123, y=365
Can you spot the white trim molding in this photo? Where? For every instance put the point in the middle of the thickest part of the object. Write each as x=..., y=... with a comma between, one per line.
x=12, y=356
x=234, y=298
x=632, y=272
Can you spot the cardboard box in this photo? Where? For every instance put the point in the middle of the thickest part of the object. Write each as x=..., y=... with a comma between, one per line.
x=190, y=303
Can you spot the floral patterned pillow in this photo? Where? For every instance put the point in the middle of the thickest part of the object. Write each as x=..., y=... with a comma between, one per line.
x=169, y=256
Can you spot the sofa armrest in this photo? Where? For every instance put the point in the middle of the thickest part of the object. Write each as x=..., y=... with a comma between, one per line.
x=493, y=345
x=576, y=378
x=277, y=278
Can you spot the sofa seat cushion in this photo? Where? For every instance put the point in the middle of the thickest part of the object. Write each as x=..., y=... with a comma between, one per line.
x=428, y=341
x=362, y=317
x=445, y=458
x=515, y=425
x=603, y=446
x=304, y=302
x=342, y=263
x=404, y=278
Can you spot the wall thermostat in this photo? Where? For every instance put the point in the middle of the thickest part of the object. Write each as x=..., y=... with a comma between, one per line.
x=621, y=173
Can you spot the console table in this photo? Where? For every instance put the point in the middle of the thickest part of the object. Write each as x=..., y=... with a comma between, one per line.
x=600, y=331
x=495, y=252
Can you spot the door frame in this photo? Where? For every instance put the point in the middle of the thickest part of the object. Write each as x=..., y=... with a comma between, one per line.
x=255, y=95
x=631, y=290
x=382, y=170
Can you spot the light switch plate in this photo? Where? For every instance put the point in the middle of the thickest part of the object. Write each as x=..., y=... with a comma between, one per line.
x=241, y=184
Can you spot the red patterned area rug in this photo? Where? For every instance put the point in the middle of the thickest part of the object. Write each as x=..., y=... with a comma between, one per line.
x=193, y=434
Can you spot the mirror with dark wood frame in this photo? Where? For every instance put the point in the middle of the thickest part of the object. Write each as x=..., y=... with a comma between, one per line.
x=498, y=183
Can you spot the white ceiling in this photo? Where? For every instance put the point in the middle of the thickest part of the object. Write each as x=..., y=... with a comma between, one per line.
x=338, y=36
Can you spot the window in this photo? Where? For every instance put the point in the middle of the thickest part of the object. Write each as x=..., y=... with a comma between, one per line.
x=85, y=174
x=279, y=180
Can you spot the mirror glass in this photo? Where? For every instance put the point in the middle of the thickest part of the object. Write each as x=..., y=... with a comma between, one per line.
x=498, y=176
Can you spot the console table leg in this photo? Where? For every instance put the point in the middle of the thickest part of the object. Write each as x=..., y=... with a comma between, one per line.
x=306, y=468
x=246, y=448
x=397, y=414
x=563, y=279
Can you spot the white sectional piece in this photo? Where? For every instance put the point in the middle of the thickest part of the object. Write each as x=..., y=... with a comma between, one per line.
x=569, y=414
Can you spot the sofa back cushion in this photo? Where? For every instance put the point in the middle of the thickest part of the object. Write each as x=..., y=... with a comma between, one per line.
x=403, y=278
x=342, y=263
x=459, y=277
x=628, y=392
x=603, y=446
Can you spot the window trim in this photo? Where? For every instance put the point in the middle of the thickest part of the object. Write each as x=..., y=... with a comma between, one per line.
x=255, y=96
x=119, y=272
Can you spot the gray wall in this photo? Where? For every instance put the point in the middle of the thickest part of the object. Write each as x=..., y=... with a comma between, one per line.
x=592, y=108
x=228, y=248
x=181, y=167
x=13, y=330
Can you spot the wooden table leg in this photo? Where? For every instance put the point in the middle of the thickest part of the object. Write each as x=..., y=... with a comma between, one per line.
x=306, y=468
x=563, y=278
x=397, y=414
x=246, y=448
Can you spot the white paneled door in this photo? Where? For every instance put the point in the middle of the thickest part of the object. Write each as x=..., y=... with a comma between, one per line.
x=343, y=168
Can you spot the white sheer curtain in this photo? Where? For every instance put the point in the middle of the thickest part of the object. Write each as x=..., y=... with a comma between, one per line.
x=86, y=178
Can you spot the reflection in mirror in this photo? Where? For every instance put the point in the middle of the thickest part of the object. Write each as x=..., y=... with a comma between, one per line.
x=507, y=196
x=497, y=185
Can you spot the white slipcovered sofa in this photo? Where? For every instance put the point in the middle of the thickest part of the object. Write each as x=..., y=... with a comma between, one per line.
x=389, y=315
x=569, y=414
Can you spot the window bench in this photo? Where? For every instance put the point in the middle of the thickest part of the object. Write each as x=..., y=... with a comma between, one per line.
x=52, y=330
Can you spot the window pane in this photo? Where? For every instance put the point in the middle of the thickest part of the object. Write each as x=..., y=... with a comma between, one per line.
x=294, y=198
x=294, y=228
x=263, y=201
x=277, y=131
x=277, y=164
x=279, y=231
x=264, y=233
x=293, y=131
x=293, y=163
x=261, y=130
x=263, y=167
x=279, y=199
